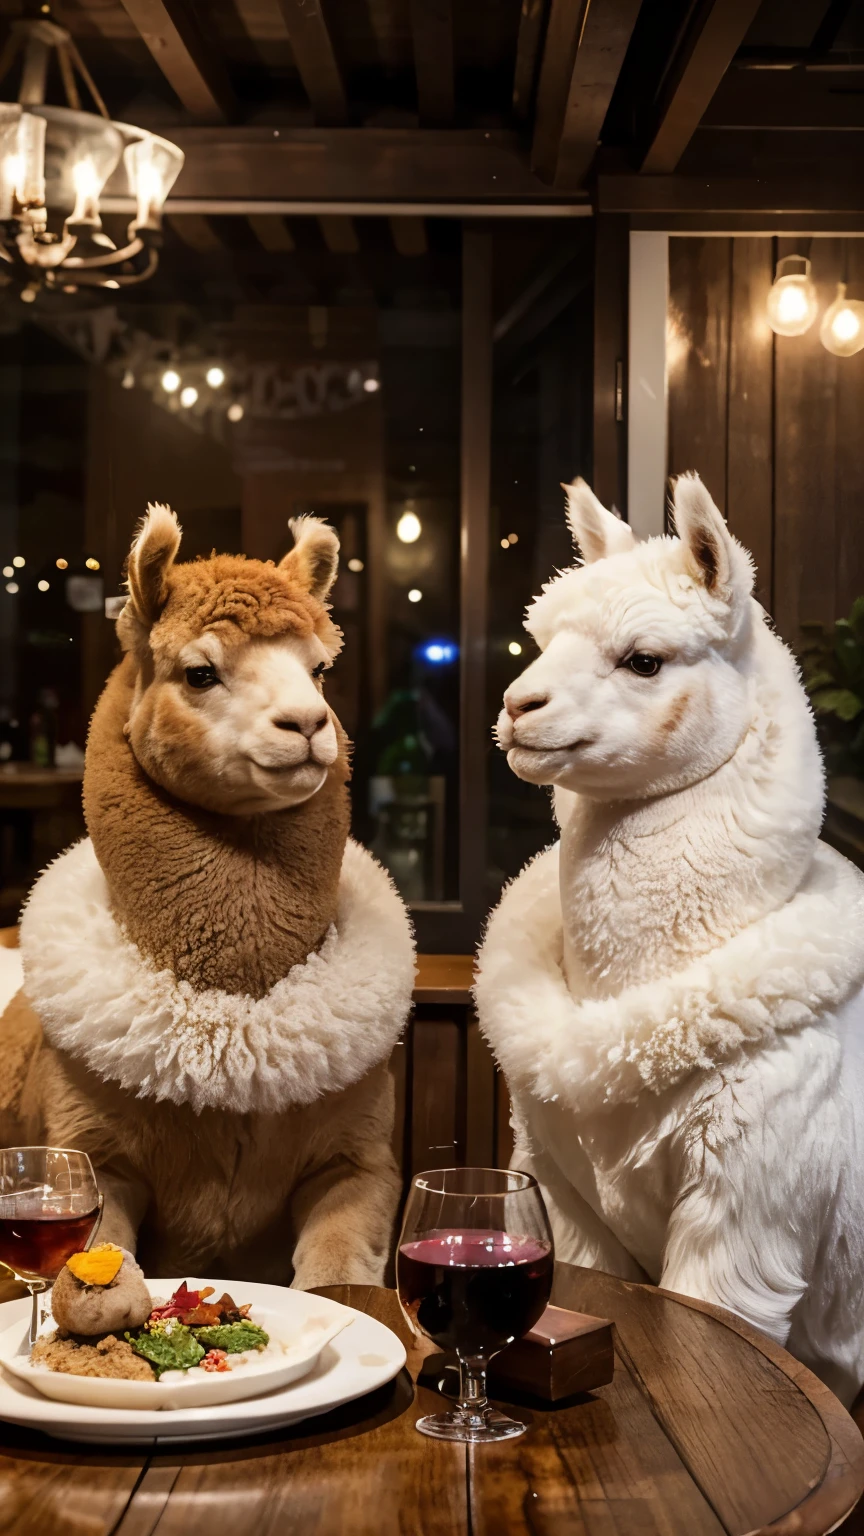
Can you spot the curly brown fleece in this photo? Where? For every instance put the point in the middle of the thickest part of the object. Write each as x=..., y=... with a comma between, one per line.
x=227, y=902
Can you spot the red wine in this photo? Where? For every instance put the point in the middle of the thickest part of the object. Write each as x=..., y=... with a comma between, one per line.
x=474, y=1291
x=36, y=1247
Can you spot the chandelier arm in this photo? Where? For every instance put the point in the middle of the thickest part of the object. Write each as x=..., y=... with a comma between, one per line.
x=73, y=96
x=88, y=79
x=84, y=278
x=110, y=259
x=45, y=257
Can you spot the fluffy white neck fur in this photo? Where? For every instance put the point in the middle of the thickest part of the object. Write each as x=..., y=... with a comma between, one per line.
x=648, y=885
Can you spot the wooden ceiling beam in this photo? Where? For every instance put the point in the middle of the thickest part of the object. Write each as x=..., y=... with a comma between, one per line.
x=196, y=231
x=316, y=61
x=716, y=31
x=193, y=68
x=582, y=59
x=409, y=236
x=780, y=195
x=432, y=36
x=271, y=231
x=339, y=233
x=529, y=43
x=351, y=165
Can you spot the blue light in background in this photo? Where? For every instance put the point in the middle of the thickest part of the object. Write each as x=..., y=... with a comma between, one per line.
x=439, y=653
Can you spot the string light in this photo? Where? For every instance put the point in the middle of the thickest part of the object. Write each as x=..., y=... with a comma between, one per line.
x=61, y=564
x=170, y=381
x=842, y=328
x=8, y=570
x=92, y=564
x=409, y=528
x=215, y=376
x=415, y=595
x=19, y=561
x=792, y=301
x=355, y=565
x=12, y=586
x=512, y=538
x=505, y=543
x=371, y=386
x=43, y=585
x=235, y=411
x=128, y=380
x=188, y=396
x=515, y=648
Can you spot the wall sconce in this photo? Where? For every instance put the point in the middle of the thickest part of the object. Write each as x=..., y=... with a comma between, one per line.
x=792, y=301
x=842, y=328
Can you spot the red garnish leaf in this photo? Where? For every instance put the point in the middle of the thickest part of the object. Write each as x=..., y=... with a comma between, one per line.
x=215, y=1360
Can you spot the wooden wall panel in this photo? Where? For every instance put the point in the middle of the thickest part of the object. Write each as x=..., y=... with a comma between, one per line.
x=750, y=413
x=437, y=1093
x=697, y=349
x=805, y=447
x=773, y=424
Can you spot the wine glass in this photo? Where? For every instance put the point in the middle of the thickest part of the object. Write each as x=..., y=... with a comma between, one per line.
x=474, y=1272
x=50, y=1208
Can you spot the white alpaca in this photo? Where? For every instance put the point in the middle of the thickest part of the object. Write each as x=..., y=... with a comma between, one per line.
x=674, y=990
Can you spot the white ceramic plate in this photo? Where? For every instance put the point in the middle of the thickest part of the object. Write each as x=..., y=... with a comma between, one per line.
x=356, y=1360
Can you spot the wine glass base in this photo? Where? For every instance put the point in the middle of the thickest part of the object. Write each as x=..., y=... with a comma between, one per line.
x=470, y=1428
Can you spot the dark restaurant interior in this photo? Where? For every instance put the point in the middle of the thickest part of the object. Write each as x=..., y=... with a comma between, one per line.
x=409, y=267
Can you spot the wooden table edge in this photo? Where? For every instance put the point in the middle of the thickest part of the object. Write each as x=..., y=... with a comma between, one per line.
x=843, y=1481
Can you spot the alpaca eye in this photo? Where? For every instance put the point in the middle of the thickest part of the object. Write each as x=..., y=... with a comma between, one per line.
x=643, y=664
x=201, y=677
x=320, y=669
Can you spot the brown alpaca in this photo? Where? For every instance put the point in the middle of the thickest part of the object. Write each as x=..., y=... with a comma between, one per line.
x=239, y=1116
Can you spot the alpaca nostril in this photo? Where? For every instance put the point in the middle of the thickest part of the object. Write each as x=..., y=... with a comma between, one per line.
x=289, y=725
x=319, y=725
x=311, y=728
x=517, y=707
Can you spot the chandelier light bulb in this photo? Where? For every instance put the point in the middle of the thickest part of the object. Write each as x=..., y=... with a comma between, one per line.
x=235, y=411
x=842, y=328
x=215, y=377
x=170, y=381
x=409, y=528
x=188, y=396
x=792, y=301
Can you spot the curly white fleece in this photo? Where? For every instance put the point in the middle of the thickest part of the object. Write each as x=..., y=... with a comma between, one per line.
x=780, y=974
x=318, y=1030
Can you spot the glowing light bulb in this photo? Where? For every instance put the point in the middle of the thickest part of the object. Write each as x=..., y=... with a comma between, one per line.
x=415, y=595
x=43, y=585
x=235, y=411
x=87, y=187
x=409, y=528
x=842, y=328
x=355, y=565
x=505, y=543
x=215, y=377
x=371, y=386
x=60, y=564
x=792, y=301
x=12, y=586
x=8, y=570
x=128, y=380
x=170, y=381
x=19, y=561
x=188, y=396
x=92, y=564
x=512, y=538
x=515, y=648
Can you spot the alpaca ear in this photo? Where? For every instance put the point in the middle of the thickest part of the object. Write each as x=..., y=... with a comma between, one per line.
x=716, y=559
x=596, y=532
x=314, y=560
x=151, y=557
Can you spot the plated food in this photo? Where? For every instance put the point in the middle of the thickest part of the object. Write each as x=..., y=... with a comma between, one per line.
x=111, y=1343
x=109, y=1325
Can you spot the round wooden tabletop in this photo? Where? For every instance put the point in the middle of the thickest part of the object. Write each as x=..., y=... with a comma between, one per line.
x=706, y=1429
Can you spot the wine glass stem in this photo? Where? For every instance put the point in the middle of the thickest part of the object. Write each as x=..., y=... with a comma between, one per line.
x=472, y=1387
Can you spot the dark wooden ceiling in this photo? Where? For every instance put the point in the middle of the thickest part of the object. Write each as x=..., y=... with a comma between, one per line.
x=485, y=101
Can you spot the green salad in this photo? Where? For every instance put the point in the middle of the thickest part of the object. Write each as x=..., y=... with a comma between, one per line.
x=190, y=1330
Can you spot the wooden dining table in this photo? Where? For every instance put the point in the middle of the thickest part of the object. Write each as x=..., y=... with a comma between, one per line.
x=707, y=1428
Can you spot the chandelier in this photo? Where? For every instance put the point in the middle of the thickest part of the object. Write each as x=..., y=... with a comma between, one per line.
x=54, y=164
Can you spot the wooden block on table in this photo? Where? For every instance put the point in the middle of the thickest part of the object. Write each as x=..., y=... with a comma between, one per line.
x=565, y=1352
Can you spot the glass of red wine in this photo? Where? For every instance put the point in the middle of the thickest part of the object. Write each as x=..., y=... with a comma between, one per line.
x=50, y=1208
x=474, y=1272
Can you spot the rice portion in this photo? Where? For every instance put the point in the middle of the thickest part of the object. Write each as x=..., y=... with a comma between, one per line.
x=110, y=1357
